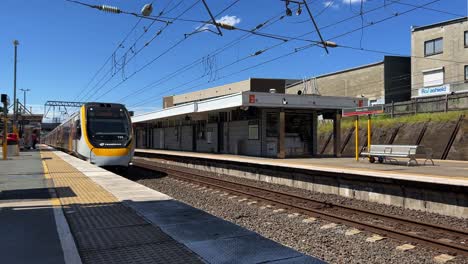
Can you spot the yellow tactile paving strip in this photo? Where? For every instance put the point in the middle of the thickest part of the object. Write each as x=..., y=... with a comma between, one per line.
x=72, y=186
x=105, y=231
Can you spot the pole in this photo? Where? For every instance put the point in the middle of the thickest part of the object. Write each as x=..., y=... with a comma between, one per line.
x=24, y=98
x=24, y=102
x=315, y=25
x=369, y=134
x=15, y=106
x=356, y=134
x=5, y=130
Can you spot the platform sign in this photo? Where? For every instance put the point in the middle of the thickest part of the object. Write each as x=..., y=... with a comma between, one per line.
x=368, y=110
x=359, y=111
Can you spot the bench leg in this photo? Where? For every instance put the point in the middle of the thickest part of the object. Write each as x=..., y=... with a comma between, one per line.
x=430, y=160
x=412, y=159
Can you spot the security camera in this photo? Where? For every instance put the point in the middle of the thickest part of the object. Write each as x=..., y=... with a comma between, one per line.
x=285, y=102
x=299, y=92
x=147, y=10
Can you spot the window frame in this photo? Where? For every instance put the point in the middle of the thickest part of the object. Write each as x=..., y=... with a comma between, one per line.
x=437, y=70
x=252, y=128
x=433, y=41
x=465, y=38
x=465, y=68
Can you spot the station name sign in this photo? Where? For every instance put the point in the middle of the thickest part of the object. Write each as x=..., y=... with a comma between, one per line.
x=368, y=110
x=430, y=91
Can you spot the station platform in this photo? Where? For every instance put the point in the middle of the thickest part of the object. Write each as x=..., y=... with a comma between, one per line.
x=444, y=172
x=55, y=208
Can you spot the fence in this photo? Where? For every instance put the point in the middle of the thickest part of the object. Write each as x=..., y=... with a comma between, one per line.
x=445, y=103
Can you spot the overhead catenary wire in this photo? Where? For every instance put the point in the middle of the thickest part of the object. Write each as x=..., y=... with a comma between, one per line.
x=291, y=38
x=231, y=44
x=158, y=33
x=107, y=60
x=85, y=95
x=159, y=56
x=296, y=50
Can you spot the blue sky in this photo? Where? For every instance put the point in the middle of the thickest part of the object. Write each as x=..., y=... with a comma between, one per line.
x=62, y=45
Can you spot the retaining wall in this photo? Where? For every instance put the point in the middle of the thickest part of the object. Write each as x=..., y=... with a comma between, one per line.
x=435, y=135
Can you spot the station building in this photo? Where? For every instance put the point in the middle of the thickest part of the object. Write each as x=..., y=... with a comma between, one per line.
x=382, y=82
x=439, y=64
x=254, y=117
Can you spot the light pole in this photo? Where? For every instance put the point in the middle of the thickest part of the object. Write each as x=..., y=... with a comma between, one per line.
x=15, y=105
x=24, y=98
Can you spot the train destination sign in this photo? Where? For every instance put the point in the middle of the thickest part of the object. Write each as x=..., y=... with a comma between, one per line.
x=368, y=110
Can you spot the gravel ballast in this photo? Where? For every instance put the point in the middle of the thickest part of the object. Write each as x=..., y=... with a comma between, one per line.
x=309, y=237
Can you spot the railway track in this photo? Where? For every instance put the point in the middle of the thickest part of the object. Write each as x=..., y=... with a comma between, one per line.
x=439, y=237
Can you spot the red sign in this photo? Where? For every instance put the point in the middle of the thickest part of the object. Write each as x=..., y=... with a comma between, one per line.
x=370, y=110
x=252, y=98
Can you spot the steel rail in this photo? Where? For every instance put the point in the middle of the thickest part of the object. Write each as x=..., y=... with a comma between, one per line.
x=317, y=210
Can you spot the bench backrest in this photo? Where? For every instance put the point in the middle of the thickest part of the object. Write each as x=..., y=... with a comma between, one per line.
x=394, y=149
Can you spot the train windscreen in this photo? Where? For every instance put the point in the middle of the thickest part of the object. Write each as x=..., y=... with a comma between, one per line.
x=108, y=127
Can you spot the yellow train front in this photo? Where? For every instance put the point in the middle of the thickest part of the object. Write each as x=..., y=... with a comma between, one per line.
x=100, y=133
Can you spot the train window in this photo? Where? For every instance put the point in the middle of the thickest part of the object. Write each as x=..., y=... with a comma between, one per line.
x=78, y=129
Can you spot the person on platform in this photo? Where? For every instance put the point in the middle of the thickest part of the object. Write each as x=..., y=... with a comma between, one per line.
x=34, y=139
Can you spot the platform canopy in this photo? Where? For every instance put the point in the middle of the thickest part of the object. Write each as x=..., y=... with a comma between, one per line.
x=254, y=99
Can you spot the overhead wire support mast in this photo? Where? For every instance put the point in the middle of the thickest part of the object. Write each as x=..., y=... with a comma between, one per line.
x=212, y=17
x=324, y=43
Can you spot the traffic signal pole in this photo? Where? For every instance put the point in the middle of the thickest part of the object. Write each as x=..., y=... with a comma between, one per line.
x=5, y=125
x=15, y=104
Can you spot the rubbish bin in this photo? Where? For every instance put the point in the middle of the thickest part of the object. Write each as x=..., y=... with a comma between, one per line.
x=12, y=144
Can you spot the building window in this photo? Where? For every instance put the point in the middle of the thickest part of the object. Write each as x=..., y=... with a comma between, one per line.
x=253, y=132
x=466, y=72
x=433, y=77
x=466, y=39
x=432, y=47
x=272, y=124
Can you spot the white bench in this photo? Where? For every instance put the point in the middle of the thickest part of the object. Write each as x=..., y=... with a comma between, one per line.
x=391, y=152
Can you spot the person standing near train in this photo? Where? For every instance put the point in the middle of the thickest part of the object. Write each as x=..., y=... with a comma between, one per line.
x=34, y=139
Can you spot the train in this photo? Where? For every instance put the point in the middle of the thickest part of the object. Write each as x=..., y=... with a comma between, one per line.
x=100, y=133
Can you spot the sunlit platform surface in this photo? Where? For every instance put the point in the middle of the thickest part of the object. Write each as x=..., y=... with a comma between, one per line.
x=55, y=208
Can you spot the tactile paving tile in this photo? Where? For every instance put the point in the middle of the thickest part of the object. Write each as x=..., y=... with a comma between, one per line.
x=84, y=210
x=119, y=237
x=166, y=252
x=106, y=221
x=106, y=231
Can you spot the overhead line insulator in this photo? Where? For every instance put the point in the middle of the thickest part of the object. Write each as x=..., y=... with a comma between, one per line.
x=226, y=26
x=110, y=9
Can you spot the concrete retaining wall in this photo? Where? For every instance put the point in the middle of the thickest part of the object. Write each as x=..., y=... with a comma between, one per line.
x=459, y=149
x=428, y=197
x=435, y=135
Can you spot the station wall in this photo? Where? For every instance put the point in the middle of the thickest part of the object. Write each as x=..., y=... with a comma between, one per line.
x=249, y=137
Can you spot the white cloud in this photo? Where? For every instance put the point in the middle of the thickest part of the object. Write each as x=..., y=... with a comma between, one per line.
x=228, y=20
x=353, y=1
x=330, y=4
